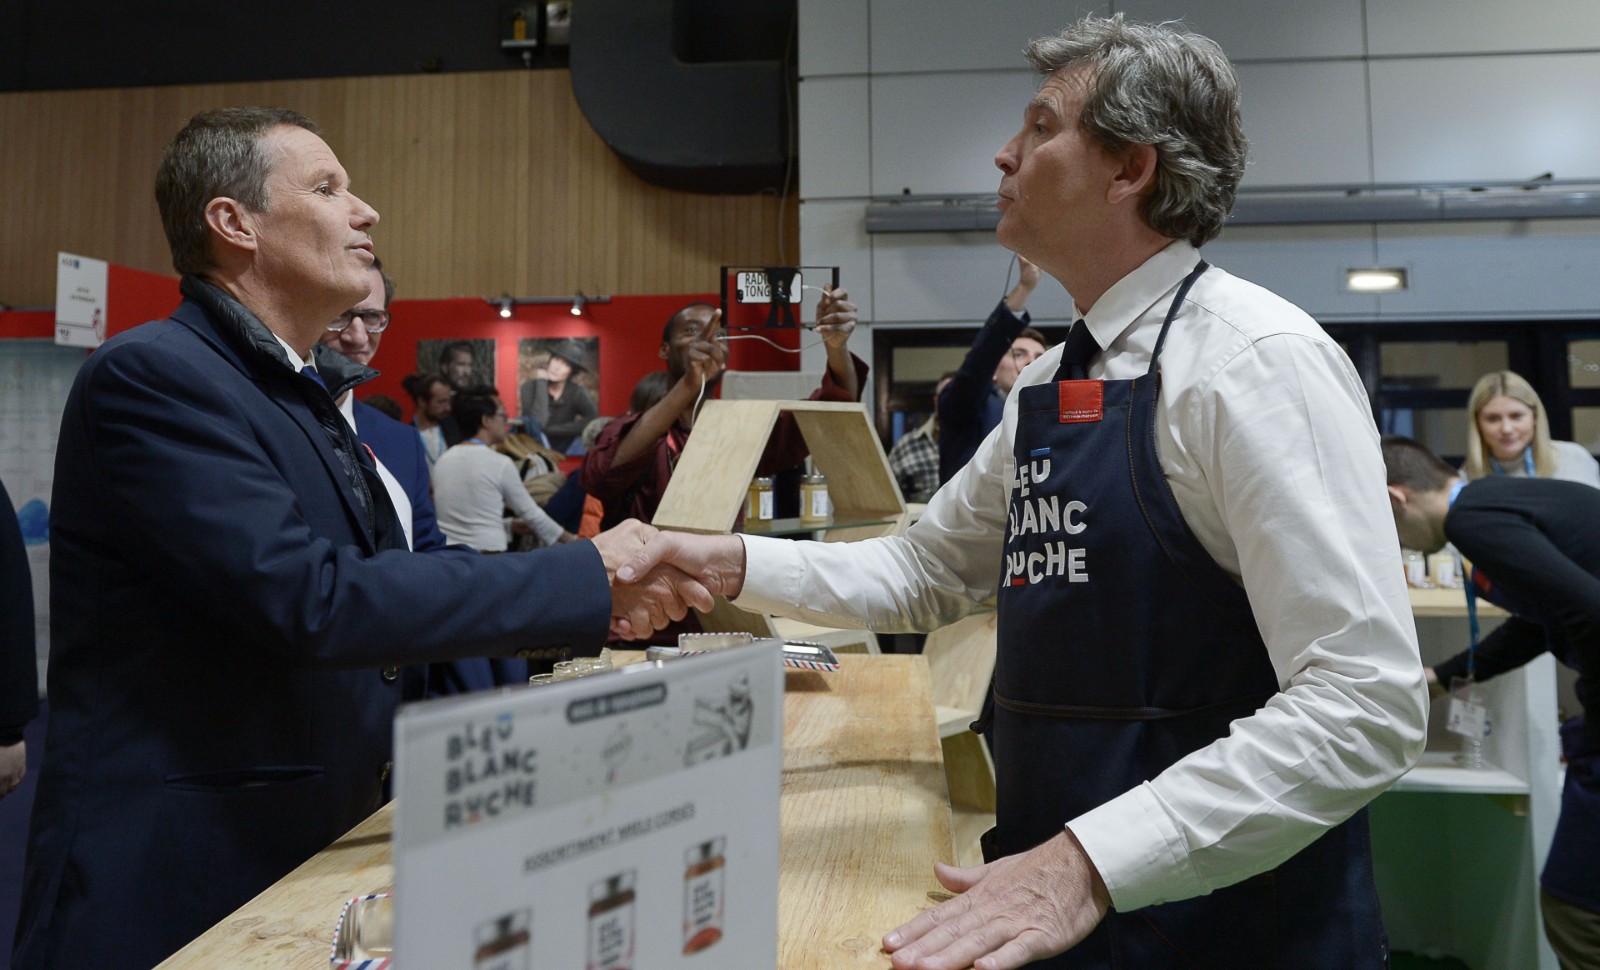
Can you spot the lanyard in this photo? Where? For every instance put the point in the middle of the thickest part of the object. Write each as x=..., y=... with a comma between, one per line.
x=1527, y=463
x=1472, y=594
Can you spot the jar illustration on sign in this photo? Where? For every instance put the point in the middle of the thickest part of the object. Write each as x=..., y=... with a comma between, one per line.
x=502, y=943
x=702, y=895
x=611, y=922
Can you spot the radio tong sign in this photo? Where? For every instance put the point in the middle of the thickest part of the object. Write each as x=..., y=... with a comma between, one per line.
x=756, y=286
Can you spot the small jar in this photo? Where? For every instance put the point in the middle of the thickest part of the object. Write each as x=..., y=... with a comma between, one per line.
x=611, y=923
x=758, y=505
x=814, y=506
x=702, y=895
x=1416, y=569
x=1444, y=570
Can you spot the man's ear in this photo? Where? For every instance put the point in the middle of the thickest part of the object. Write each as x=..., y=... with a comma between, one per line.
x=1399, y=497
x=661, y=351
x=232, y=223
x=1135, y=174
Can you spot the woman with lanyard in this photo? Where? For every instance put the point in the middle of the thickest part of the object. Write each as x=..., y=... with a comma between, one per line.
x=473, y=484
x=1510, y=435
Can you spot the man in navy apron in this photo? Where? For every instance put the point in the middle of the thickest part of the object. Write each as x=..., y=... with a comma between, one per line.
x=1207, y=664
x=1534, y=545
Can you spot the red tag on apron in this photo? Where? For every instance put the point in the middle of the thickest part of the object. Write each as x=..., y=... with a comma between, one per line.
x=1080, y=401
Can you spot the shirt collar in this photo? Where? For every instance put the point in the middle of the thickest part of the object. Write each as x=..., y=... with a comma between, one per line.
x=1131, y=297
x=291, y=355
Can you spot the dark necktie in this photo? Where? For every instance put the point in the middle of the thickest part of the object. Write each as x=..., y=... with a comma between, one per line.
x=315, y=375
x=1078, y=351
x=349, y=452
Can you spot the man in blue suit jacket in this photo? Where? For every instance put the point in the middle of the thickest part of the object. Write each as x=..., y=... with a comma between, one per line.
x=404, y=465
x=230, y=592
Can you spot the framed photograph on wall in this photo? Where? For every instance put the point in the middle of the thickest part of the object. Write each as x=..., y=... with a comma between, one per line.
x=463, y=363
x=558, y=383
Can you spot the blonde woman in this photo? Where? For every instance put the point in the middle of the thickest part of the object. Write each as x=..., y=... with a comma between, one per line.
x=1510, y=435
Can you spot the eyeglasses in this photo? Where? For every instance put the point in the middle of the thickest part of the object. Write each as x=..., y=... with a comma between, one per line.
x=375, y=321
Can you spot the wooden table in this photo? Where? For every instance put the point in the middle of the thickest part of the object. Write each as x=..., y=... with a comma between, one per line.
x=1432, y=601
x=864, y=815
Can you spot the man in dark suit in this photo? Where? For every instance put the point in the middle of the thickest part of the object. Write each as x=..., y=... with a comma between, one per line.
x=1534, y=545
x=19, y=682
x=231, y=595
x=403, y=465
x=401, y=460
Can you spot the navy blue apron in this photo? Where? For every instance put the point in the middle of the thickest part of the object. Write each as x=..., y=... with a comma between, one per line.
x=1124, y=647
x=1574, y=855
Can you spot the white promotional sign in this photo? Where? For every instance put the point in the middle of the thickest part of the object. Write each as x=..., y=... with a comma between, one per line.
x=80, y=300
x=625, y=821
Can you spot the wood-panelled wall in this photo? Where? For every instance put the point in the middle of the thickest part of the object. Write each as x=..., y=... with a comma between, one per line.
x=487, y=183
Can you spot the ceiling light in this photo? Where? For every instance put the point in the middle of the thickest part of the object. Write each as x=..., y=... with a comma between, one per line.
x=1374, y=280
x=577, y=304
x=505, y=307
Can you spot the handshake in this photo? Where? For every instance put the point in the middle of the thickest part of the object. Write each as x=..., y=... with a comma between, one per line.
x=657, y=576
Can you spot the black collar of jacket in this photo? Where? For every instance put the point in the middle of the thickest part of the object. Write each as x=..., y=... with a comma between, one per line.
x=247, y=333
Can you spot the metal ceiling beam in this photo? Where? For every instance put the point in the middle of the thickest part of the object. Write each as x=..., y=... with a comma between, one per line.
x=970, y=214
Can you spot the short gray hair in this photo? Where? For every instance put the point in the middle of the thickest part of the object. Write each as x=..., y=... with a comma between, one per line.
x=1154, y=84
x=217, y=154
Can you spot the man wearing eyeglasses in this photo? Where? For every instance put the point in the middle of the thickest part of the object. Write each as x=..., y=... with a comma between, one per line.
x=402, y=462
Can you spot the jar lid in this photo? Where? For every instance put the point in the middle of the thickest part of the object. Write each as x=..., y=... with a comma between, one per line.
x=763, y=480
x=814, y=478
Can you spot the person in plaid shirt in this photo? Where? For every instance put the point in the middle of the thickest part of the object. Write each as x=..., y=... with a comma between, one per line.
x=914, y=459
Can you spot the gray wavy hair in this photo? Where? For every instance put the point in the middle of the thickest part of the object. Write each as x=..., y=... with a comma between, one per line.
x=1154, y=84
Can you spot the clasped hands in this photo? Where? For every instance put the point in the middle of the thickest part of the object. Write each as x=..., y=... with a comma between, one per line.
x=656, y=577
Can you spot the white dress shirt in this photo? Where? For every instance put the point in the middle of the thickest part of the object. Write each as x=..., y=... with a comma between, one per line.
x=472, y=485
x=1267, y=440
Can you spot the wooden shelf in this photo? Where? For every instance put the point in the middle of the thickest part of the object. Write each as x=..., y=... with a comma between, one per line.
x=709, y=484
x=1433, y=601
x=791, y=528
x=712, y=478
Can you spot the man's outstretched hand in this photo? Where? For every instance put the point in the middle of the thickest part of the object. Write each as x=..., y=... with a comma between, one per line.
x=651, y=597
x=679, y=566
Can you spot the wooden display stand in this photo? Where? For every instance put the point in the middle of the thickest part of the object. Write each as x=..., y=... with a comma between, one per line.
x=961, y=663
x=712, y=479
x=1457, y=852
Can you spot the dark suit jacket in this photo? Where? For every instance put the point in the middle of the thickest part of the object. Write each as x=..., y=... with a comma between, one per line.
x=224, y=634
x=19, y=677
x=399, y=447
x=971, y=405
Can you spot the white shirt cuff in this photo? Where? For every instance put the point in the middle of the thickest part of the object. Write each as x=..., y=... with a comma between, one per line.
x=1140, y=854
x=773, y=575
